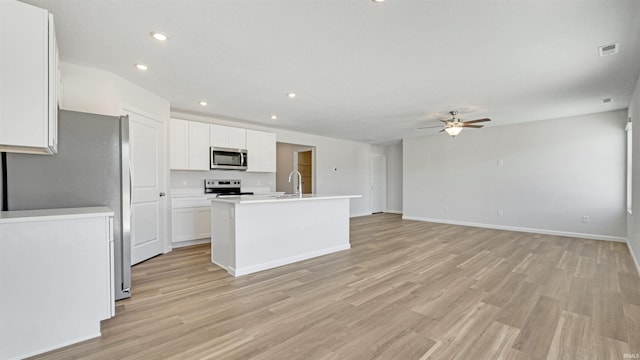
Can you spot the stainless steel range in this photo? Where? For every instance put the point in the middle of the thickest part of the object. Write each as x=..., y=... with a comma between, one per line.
x=224, y=188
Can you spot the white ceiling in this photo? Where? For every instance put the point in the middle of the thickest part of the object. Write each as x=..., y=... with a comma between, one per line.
x=365, y=71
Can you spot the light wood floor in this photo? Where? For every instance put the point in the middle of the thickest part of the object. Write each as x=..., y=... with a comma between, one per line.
x=406, y=290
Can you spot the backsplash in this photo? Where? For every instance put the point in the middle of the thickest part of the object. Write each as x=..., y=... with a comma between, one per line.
x=193, y=180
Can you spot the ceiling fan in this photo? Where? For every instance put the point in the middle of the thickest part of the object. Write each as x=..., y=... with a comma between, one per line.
x=454, y=126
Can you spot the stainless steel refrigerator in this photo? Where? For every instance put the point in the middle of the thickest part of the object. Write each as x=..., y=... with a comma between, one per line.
x=91, y=168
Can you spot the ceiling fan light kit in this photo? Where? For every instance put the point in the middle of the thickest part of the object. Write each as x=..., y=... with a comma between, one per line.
x=453, y=131
x=454, y=126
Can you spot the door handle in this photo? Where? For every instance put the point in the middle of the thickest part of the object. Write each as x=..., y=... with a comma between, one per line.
x=162, y=194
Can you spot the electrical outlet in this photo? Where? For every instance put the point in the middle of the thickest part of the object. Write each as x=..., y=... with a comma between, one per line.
x=446, y=209
x=500, y=212
x=585, y=219
x=500, y=163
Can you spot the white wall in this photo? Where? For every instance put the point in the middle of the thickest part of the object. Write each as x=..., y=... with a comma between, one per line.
x=633, y=220
x=554, y=172
x=341, y=166
x=193, y=181
x=100, y=92
x=394, y=178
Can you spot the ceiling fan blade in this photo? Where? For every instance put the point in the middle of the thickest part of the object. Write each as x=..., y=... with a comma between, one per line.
x=472, y=126
x=441, y=131
x=476, y=121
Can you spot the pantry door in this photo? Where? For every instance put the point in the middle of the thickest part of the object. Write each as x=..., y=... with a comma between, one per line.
x=148, y=188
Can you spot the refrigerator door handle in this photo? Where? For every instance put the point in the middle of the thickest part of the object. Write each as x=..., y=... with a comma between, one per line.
x=130, y=189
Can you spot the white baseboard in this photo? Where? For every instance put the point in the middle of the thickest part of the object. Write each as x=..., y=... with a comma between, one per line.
x=633, y=256
x=359, y=214
x=393, y=211
x=59, y=346
x=285, y=261
x=180, y=244
x=521, y=229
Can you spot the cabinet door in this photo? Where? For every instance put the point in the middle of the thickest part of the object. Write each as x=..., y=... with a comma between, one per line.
x=227, y=137
x=261, y=149
x=24, y=70
x=254, y=151
x=183, y=224
x=269, y=152
x=237, y=138
x=218, y=136
x=179, y=145
x=54, y=87
x=198, y=146
x=203, y=222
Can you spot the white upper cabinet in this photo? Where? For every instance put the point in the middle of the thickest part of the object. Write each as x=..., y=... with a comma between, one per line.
x=189, y=142
x=178, y=144
x=29, y=79
x=261, y=151
x=227, y=137
x=198, y=146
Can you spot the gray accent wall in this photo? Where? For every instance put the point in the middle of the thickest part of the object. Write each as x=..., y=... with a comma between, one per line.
x=542, y=176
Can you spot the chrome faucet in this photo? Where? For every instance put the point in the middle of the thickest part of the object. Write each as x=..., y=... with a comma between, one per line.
x=299, y=187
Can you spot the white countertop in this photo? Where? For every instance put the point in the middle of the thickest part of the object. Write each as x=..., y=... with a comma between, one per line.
x=7, y=217
x=193, y=194
x=257, y=199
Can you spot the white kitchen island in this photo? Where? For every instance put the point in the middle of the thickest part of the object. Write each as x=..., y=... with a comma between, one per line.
x=255, y=233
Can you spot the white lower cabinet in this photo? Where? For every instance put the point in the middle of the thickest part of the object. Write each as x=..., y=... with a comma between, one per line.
x=190, y=220
x=203, y=222
x=56, y=272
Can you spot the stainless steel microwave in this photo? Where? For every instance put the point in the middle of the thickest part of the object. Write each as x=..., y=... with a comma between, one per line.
x=228, y=159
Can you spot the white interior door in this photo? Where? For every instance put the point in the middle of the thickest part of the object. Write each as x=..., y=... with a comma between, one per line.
x=146, y=137
x=378, y=189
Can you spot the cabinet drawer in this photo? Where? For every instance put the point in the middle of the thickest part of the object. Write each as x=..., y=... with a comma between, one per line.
x=181, y=203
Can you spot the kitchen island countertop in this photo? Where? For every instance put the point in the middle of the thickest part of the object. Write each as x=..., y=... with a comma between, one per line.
x=256, y=199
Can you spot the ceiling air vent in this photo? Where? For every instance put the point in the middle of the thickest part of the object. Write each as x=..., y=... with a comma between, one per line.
x=607, y=100
x=608, y=49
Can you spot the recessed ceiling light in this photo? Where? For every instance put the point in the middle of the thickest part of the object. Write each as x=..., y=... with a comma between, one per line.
x=377, y=1
x=273, y=117
x=291, y=95
x=142, y=67
x=203, y=103
x=159, y=36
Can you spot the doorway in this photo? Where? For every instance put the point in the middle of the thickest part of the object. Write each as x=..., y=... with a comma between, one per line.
x=305, y=168
x=378, y=183
x=295, y=157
